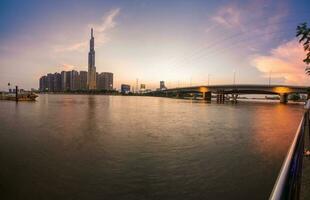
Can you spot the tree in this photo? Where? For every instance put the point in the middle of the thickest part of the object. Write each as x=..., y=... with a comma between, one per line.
x=303, y=33
x=295, y=97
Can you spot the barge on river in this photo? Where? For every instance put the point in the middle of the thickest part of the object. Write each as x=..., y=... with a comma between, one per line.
x=25, y=96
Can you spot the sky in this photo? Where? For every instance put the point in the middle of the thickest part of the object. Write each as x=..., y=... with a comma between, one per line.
x=179, y=41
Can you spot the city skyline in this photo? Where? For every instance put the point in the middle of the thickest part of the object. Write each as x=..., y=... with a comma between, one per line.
x=194, y=44
x=78, y=81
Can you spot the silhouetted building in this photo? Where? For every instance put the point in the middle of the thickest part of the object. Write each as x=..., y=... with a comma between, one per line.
x=50, y=82
x=97, y=79
x=91, y=79
x=125, y=89
x=57, y=82
x=83, y=80
x=105, y=81
x=68, y=81
x=63, y=81
x=75, y=80
x=43, y=84
x=162, y=85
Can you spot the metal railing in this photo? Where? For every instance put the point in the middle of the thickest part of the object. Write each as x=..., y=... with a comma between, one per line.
x=288, y=182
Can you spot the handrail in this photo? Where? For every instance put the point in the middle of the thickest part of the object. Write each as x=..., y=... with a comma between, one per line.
x=287, y=179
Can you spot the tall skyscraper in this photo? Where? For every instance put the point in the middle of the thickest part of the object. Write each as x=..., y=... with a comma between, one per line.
x=91, y=79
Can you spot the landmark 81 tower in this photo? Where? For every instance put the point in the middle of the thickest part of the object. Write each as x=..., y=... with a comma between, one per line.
x=91, y=79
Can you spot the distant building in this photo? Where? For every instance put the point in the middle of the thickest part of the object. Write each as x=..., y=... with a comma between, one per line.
x=91, y=79
x=142, y=87
x=43, y=84
x=50, y=82
x=57, y=82
x=97, y=80
x=68, y=81
x=125, y=89
x=83, y=80
x=162, y=85
x=105, y=81
x=74, y=81
x=63, y=81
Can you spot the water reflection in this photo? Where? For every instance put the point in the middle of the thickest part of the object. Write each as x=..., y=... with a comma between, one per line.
x=142, y=148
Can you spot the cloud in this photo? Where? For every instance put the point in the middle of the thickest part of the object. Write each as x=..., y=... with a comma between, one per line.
x=67, y=67
x=285, y=62
x=107, y=23
x=80, y=46
x=254, y=16
x=228, y=17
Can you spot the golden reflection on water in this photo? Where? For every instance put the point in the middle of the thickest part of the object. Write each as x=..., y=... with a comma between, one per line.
x=270, y=142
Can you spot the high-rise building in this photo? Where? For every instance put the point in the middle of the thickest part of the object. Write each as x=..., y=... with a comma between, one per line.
x=91, y=79
x=43, y=84
x=57, y=82
x=63, y=81
x=74, y=81
x=105, y=81
x=50, y=82
x=68, y=81
x=83, y=80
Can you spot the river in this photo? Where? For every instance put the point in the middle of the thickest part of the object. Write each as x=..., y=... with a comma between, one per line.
x=121, y=147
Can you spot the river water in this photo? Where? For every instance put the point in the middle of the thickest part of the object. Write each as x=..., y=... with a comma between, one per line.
x=117, y=147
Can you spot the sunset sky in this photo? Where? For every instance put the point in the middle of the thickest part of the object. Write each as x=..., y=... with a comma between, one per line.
x=175, y=41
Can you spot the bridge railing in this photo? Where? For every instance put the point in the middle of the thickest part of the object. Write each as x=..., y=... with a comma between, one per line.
x=288, y=182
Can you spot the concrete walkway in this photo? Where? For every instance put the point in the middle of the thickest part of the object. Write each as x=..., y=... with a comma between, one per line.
x=305, y=178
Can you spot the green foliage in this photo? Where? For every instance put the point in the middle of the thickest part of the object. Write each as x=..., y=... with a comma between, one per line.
x=303, y=33
x=295, y=97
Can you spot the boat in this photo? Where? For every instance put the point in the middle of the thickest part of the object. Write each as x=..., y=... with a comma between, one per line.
x=24, y=96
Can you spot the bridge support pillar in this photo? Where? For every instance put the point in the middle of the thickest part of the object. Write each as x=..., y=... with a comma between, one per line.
x=234, y=98
x=220, y=98
x=206, y=96
x=283, y=98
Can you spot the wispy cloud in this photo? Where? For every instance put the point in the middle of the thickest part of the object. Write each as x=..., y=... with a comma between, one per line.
x=254, y=16
x=107, y=23
x=285, y=61
x=67, y=67
x=80, y=46
x=228, y=17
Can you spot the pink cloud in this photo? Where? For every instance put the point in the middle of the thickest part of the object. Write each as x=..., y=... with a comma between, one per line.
x=285, y=61
x=67, y=67
x=228, y=17
x=107, y=23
